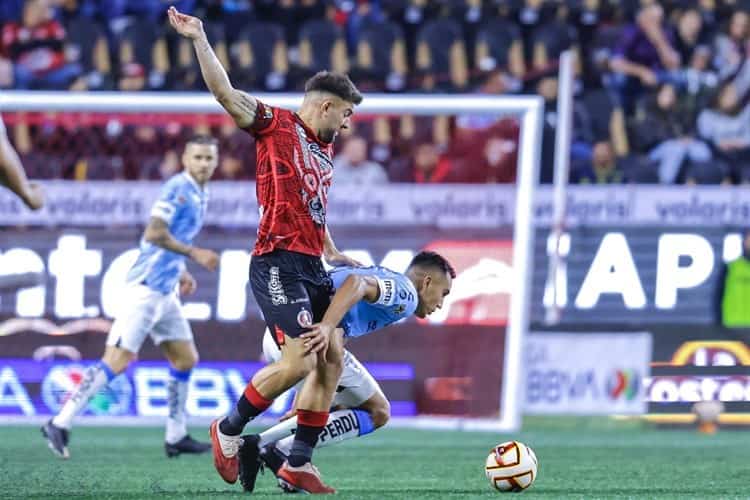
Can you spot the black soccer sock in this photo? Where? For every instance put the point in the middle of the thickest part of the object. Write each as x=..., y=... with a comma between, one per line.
x=250, y=405
x=301, y=453
x=309, y=425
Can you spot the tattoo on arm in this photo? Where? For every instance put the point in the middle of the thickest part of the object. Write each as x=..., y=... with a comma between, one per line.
x=157, y=233
x=242, y=108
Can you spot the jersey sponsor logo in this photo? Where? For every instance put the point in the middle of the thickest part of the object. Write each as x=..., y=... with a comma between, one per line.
x=275, y=288
x=387, y=292
x=304, y=318
x=404, y=295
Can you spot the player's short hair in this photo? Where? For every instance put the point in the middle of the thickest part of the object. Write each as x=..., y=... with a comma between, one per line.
x=334, y=83
x=428, y=259
x=203, y=140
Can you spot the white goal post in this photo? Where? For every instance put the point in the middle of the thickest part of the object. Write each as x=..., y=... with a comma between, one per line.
x=528, y=108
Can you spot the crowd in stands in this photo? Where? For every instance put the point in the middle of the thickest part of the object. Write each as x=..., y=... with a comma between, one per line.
x=661, y=89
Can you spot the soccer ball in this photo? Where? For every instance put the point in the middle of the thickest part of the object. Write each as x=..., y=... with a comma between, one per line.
x=511, y=466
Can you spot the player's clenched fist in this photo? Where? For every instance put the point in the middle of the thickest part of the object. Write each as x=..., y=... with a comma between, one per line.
x=187, y=26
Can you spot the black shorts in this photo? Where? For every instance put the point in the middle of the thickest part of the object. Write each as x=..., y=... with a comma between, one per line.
x=293, y=291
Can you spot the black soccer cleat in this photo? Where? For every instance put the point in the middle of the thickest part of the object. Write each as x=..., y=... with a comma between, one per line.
x=272, y=458
x=249, y=457
x=186, y=445
x=57, y=439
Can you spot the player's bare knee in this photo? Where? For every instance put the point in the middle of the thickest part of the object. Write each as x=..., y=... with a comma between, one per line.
x=381, y=415
x=185, y=363
x=117, y=359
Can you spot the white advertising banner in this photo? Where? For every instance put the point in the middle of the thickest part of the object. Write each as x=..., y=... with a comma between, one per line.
x=233, y=204
x=586, y=374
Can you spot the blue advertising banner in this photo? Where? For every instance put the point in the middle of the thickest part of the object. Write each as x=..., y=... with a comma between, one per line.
x=29, y=387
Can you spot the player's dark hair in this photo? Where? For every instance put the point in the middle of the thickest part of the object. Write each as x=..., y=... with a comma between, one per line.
x=434, y=260
x=334, y=83
x=203, y=140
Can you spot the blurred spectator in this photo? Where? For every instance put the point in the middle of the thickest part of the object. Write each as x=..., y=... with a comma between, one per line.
x=726, y=126
x=36, y=47
x=170, y=164
x=603, y=168
x=231, y=169
x=497, y=163
x=352, y=167
x=731, y=46
x=664, y=126
x=644, y=57
x=428, y=166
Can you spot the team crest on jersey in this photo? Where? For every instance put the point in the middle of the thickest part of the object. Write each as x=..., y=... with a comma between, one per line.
x=399, y=309
x=317, y=210
x=267, y=112
x=304, y=318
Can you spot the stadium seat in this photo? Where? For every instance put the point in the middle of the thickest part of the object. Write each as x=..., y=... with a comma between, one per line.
x=441, y=55
x=381, y=55
x=710, y=172
x=259, y=58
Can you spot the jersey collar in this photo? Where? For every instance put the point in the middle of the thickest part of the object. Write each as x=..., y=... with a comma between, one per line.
x=310, y=133
x=194, y=183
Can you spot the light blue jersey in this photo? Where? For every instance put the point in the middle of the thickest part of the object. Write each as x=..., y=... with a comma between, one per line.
x=182, y=205
x=397, y=300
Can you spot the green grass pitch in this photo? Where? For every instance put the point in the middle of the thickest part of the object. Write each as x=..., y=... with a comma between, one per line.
x=578, y=458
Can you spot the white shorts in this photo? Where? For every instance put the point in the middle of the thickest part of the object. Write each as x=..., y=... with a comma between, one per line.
x=147, y=312
x=356, y=383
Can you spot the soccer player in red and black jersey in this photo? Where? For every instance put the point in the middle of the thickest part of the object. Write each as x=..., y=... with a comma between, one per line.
x=294, y=172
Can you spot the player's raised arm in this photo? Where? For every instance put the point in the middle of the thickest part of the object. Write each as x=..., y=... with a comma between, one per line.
x=157, y=233
x=238, y=104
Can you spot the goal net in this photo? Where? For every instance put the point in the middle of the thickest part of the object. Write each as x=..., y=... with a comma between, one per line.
x=102, y=157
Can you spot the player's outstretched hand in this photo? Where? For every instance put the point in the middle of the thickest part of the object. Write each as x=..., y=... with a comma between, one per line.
x=316, y=339
x=339, y=259
x=187, y=284
x=205, y=257
x=187, y=26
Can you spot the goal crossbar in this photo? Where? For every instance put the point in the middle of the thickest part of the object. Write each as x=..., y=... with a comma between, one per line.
x=528, y=108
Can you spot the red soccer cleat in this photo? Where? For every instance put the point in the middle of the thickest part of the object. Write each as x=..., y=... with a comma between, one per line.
x=305, y=478
x=225, y=450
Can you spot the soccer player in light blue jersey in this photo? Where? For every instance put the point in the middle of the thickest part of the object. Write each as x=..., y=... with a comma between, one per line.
x=367, y=299
x=13, y=176
x=151, y=306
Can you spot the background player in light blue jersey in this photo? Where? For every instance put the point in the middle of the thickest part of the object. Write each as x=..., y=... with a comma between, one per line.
x=367, y=299
x=151, y=305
